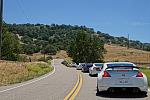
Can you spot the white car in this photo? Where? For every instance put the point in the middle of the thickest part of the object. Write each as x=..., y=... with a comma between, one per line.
x=73, y=64
x=121, y=76
x=80, y=65
x=95, y=68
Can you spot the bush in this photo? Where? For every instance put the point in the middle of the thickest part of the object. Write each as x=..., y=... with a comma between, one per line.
x=22, y=58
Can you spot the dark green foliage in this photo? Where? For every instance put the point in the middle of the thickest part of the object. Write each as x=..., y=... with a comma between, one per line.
x=30, y=49
x=86, y=48
x=26, y=39
x=10, y=46
x=49, y=49
x=60, y=36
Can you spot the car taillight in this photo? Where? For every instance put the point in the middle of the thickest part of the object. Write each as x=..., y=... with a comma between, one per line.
x=139, y=74
x=106, y=74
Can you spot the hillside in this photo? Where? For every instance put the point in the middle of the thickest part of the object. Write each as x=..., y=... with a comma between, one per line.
x=119, y=53
x=37, y=37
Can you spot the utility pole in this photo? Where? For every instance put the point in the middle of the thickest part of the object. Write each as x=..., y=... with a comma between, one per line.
x=1, y=23
x=128, y=45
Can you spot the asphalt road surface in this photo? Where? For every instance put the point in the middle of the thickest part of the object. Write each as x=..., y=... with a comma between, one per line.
x=57, y=85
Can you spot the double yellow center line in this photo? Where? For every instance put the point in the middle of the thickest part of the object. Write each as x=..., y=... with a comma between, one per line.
x=76, y=88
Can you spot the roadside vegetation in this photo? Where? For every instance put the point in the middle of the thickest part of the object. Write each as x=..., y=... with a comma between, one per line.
x=16, y=72
x=146, y=71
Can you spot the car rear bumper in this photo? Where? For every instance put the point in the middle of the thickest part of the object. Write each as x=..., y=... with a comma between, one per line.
x=93, y=72
x=106, y=88
x=78, y=68
x=85, y=69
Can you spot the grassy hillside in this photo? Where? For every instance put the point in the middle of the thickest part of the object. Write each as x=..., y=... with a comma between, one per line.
x=16, y=72
x=119, y=53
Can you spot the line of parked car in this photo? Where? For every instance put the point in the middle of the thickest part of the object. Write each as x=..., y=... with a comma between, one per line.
x=114, y=76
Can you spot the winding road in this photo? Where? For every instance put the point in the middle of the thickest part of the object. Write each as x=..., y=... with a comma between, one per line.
x=61, y=84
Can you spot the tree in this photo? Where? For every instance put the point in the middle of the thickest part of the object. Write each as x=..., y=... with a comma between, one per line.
x=29, y=49
x=49, y=49
x=87, y=48
x=10, y=46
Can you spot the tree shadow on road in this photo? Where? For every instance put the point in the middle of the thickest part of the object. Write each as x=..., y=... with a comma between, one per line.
x=120, y=95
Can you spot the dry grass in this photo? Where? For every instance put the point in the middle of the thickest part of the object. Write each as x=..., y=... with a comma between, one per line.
x=37, y=56
x=61, y=54
x=118, y=53
x=16, y=72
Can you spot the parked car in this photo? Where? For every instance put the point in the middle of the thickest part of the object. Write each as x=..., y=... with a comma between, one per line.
x=95, y=68
x=80, y=65
x=121, y=76
x=86, y=67
x=73, y=64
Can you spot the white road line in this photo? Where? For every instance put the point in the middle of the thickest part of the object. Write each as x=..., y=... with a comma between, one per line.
x=38, y=79
x=148, y=90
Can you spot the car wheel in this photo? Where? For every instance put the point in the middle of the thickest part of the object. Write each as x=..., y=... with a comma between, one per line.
x=89, y=74
x=98, y=92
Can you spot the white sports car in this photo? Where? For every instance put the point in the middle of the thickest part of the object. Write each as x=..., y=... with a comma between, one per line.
x=95, y=68
x=121, y=76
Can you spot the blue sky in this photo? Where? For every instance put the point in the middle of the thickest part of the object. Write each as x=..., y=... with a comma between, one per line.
x=116, y=17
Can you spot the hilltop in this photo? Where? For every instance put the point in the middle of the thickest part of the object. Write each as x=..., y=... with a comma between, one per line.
x=56, y=37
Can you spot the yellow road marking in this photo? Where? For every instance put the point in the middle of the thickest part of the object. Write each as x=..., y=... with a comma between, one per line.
x=75, y=90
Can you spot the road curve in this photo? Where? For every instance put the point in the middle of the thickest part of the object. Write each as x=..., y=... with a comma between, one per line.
x=53, y=87
x=88, y=92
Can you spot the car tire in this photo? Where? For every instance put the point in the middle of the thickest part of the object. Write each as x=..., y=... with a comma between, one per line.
x=90, y=74
x=98, y=92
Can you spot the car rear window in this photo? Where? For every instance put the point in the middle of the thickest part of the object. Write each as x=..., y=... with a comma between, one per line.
x=89, y=65
x=120, y=65
x=83, y=64
x=99, y=65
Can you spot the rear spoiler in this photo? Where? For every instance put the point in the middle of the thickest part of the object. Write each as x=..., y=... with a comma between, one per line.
x=123, y=66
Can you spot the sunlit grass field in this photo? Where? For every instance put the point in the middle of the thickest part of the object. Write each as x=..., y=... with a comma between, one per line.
x=119, y=53
x=16, y=72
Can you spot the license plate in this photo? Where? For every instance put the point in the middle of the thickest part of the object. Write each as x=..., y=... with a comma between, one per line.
x=123, y=81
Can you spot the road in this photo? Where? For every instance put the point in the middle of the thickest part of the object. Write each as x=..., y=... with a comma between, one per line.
x=57, y=85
